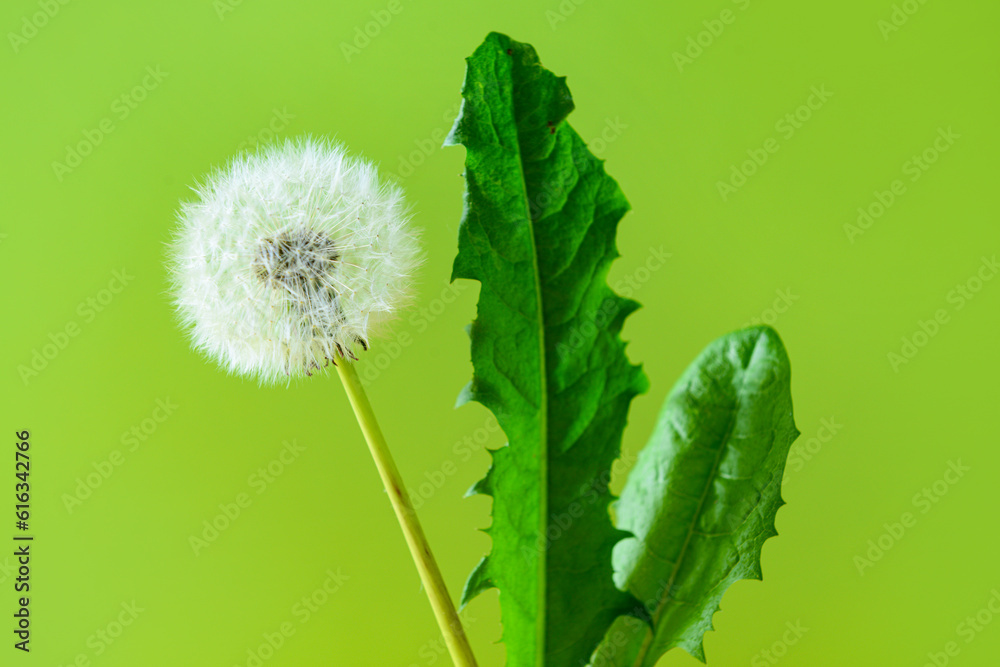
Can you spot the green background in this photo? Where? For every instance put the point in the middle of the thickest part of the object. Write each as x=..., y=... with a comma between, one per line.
x=671, y=134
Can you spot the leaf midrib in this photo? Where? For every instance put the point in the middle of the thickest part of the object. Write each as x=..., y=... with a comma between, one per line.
x=543, y=459
x=651, y=635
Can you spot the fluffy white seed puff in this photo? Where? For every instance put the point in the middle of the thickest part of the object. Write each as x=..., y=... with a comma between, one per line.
x=288, y=257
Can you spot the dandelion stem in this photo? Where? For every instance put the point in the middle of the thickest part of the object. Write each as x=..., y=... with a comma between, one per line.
x=444, y=609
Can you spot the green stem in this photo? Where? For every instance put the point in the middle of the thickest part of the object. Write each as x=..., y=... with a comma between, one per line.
x=444, y=609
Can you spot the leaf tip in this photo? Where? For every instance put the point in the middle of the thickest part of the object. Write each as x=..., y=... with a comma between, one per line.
x=477, y=582
x=465, y=396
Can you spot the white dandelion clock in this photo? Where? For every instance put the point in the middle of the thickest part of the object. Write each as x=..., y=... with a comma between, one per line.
x=289, y=257
x=286, y=262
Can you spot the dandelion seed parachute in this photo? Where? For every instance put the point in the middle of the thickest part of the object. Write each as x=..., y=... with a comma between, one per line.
x=289, y=257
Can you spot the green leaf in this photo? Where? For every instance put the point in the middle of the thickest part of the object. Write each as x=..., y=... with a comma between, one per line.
x=702, y=497
x=538, y=232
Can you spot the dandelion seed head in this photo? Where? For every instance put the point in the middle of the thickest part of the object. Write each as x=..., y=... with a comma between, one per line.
x=289, y=258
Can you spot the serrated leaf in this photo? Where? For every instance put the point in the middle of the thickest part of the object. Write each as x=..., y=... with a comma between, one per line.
x=538, y=232
x=702, y=497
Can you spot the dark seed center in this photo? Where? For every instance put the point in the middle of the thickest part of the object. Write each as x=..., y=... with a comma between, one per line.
x=301, y=261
